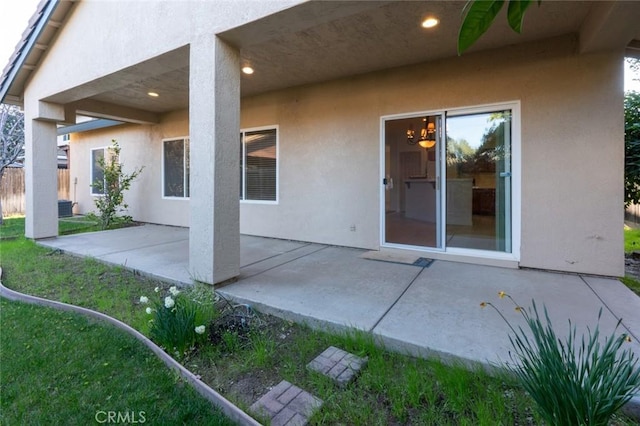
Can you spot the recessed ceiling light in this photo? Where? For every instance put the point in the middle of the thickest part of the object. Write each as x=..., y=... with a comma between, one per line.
x=247, y=70
x=430, y=22
x=153, y=94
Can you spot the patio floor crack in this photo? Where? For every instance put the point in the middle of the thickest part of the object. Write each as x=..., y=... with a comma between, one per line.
x=397, y=300
x=609, y=309
x=281, y=264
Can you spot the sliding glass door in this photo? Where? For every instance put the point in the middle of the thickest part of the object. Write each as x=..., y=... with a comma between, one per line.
x=453, y=195
x=412, y=212
x=478, y=163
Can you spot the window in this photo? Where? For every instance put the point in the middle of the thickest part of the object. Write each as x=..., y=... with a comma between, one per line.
x=100, y=155
x=259, y=165
x=175, y=168
x=97, y=171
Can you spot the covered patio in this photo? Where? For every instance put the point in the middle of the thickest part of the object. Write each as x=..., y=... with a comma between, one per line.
x=425, y=309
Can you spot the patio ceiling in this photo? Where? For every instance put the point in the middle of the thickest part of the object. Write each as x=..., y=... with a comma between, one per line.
x=320, y=41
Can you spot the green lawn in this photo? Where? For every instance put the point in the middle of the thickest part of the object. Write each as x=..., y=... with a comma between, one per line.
x=392, y=389
x=631, y=239
x=14, y=227
x=631, y=244
x=61, y=368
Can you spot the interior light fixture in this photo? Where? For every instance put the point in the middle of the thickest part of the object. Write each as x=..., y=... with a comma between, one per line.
x=153, y=94
x=430, y=22
x=427, y=134
x=247, y=70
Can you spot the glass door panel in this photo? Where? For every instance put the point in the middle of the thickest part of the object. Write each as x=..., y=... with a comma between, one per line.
x=478, y=181
x=411, y=182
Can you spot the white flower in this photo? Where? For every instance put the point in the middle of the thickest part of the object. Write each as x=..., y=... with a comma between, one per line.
x=174, y=290
x=169, y=302
x=157, y=289
x=200, y=329
x=149, y=311
x=144, y=299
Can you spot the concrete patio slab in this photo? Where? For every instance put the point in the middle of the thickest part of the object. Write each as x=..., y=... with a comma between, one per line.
x=174, y=266
x=331, y=285
x=434, y=310
x=625, y=303
x=272, y=261
x=97, y=244
x=440, y=314
x=256, y=249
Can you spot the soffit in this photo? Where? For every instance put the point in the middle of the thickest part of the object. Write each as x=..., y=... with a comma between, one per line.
x=324, y=40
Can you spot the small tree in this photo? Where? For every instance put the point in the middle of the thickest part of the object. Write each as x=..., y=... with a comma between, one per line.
x=114, y=184
x=11, y=138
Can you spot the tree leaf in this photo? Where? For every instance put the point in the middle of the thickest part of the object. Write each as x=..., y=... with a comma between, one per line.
x=515, y=13
x=479, y=16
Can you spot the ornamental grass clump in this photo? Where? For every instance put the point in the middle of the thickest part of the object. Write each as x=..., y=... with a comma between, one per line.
x=573, y=382
x=178, y=323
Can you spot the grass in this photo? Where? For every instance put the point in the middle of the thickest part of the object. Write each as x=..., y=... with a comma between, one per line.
x=61, y=368
x=13, y=227
x=631, y=244
x=392, y=389
x=632, y=283
x=631, y=239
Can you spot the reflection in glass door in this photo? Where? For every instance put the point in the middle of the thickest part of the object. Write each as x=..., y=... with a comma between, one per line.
x=412, y=181
x=478, y=181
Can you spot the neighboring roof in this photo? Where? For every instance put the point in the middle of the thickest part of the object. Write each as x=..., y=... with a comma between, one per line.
x=41, y=30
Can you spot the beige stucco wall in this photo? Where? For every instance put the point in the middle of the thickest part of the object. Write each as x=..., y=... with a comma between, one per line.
x=132, y=32
x=329, y=152
x=572, y=149
x=141, y=146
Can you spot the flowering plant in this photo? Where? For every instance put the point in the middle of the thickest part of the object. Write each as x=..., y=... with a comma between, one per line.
x=573, y=382
x=178, y=322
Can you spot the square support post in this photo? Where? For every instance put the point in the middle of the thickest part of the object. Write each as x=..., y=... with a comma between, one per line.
x=214, y=127
x=41, y=179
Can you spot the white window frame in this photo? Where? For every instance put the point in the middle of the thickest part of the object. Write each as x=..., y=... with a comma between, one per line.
x=184, y=165
x=516, y=183
x=243, y=200
x=92, y=171
x=108, y=155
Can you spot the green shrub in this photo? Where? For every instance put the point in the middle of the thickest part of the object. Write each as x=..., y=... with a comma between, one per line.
x=112, y=187
x=573, y=382
x=178, y=322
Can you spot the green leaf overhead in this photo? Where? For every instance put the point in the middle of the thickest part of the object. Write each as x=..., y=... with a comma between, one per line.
x=478, y=18
x=480, y=14
x=515, y=13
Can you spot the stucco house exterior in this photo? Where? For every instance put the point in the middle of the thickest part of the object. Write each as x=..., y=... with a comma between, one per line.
x=357, y=126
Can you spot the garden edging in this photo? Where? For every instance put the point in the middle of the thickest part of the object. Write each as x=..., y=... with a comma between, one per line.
x=228, y=408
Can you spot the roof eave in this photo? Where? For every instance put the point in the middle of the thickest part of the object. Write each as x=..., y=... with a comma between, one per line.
x=37, y=23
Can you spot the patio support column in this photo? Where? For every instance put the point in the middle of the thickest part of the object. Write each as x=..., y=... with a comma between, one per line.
x=41, y=178
x=214, y=127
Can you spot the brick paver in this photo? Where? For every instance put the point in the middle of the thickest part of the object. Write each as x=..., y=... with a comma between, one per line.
x=287, y=405
x=340, y=365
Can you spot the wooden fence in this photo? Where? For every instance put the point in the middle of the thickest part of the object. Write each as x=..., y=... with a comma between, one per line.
x=12, y=190
x=632, y=214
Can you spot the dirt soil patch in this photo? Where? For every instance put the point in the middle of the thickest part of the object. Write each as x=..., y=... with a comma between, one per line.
x=632, y=265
